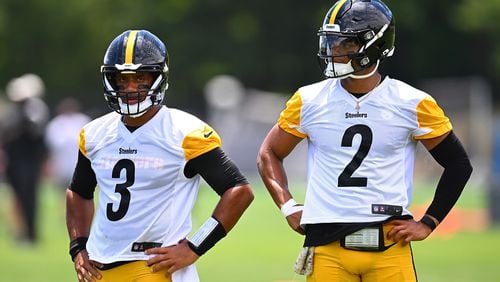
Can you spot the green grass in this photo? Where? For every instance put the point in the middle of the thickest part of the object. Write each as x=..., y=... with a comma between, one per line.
x=260, y=248
x=465, y=257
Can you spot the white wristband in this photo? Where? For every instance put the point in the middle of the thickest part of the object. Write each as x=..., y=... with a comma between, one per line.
x=290, y=207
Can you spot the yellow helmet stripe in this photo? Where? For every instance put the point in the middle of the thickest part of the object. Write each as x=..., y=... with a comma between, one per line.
x=129, y=49
x=336, y=11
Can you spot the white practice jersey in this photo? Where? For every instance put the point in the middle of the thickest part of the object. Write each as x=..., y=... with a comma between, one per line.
x=143, y=193
x=361, y=152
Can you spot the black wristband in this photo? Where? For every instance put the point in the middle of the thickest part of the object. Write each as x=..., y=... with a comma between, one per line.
x=77, y=245
x=207, y=236
x=427, y=220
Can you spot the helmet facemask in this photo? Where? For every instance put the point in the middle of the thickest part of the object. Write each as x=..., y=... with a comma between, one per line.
x=143, y=99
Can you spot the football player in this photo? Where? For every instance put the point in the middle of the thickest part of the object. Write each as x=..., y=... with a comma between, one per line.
x=362, y=129
x=147, y=160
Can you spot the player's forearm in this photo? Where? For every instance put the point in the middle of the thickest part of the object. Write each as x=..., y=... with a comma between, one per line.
x=449, y=189
x=232, y=204
x=229, y=209
x=277, y=145
x=274, y=176
x=451, y=155
x=79, y=214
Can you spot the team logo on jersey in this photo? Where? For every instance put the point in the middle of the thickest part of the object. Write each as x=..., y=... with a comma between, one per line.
x=127, y=151
x=356, y=115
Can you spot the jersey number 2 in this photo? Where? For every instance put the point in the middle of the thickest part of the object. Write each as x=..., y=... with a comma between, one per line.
x=121, y=189
x=345, y=178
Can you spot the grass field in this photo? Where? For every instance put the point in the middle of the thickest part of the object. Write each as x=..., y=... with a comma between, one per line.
x=260, y=248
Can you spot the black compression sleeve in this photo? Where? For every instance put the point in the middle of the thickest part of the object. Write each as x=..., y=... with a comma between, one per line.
x=218, y=170
x=451, y=155
x=84, y=179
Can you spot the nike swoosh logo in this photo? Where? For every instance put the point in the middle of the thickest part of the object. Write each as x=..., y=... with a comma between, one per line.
x=206, y=135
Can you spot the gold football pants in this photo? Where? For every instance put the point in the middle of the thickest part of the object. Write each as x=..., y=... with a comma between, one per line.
x=136, y=271
x=333, y=263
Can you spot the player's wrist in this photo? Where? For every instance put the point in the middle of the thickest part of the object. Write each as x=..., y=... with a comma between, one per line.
x=429, y=222
x=207, y=236
x=76, y=246
x=290, y=207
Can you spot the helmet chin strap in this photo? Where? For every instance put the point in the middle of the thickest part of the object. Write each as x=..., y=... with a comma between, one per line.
x=362, y=76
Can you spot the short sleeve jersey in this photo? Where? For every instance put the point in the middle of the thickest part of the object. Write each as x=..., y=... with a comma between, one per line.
x=361, y=152
x=143, y=193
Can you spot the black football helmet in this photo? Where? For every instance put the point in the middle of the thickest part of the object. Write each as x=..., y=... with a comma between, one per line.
x=368, y=24
x=135, y=51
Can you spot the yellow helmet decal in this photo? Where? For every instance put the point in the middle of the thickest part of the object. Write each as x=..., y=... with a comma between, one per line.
x=129, y=49
x=336, y=11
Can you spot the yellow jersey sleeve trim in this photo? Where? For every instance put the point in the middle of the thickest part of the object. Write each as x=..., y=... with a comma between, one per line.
x=289, y=119
x=81, y=143
x=200, y=141
x=431, y=119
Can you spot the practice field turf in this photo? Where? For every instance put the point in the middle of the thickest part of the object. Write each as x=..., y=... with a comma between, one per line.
x=260, y=248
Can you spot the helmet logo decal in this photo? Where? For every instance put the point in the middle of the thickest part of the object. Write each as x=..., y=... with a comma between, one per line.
x=336, y=10
x=129, y=49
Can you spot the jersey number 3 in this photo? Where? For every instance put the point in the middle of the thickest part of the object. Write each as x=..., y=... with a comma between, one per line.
x=121, y=189
x=345, y=178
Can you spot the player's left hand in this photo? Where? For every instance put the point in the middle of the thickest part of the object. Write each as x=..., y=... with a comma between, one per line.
x=294, y=222
x=405, y=231
x=171, y=258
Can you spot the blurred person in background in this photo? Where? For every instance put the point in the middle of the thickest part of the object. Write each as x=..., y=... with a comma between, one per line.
x=22, y=138
x=362, y=130
x=62, y=140
x=148, y=161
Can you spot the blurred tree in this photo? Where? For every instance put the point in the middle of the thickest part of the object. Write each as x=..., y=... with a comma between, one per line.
x=479, y=20
x=269, y=45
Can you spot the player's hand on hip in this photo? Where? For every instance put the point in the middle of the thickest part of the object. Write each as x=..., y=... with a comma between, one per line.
x=294, y=222
x=85, y=269
x=171, y=258
x=405, y=231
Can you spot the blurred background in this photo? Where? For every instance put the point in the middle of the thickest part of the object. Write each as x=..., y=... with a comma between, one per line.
x=234, y=64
